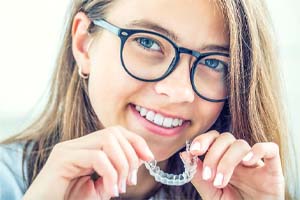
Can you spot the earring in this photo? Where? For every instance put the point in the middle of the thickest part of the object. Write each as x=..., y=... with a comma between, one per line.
x=81, y=74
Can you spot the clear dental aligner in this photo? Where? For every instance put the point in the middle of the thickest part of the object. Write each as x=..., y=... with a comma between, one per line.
x=173, y=179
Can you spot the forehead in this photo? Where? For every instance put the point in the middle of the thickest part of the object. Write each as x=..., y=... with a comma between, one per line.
x=194, y=22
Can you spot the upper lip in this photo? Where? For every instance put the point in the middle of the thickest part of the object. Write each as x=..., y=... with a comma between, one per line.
x=174, y=116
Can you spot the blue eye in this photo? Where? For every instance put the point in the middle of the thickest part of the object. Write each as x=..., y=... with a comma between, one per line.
x=214, y=64
x=148, y=43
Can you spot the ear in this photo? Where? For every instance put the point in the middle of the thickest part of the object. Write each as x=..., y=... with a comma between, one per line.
x=81, y=41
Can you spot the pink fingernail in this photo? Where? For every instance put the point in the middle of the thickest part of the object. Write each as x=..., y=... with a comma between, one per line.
x=248, y=157
x=195, y=147
x=133, y=177
x=219, y=179
x=123, y=185
x=116, y=190
x=150, y=154
x=206, y=173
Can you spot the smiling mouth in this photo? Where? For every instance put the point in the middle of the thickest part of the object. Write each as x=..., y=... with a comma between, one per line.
x=159, y=119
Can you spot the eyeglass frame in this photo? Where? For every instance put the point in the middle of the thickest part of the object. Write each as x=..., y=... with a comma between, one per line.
x=124, y=34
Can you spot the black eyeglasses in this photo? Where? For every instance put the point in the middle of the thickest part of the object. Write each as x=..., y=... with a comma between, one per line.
x=150, y=56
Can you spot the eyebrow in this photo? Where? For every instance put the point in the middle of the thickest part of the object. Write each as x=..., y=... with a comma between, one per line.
x=153, y=26
x=170, y=34
x=215, y=47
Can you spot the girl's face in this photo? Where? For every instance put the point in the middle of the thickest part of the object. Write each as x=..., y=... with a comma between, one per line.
x=114, y=94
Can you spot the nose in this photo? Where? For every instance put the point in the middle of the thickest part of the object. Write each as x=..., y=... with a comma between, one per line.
x=177, y=86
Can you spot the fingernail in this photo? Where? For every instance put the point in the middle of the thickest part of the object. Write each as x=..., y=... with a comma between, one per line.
x=206, y=173
x=133, y=177
x=116, y=190
x=123, y=185
x=150, y=154
x=195, y=147
x=248, y=157
x=183, y=157
x=219, y=179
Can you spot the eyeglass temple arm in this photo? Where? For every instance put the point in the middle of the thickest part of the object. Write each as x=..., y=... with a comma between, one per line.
x=104, y=24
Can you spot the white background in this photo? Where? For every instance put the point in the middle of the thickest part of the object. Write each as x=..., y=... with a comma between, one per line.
x=29, y=38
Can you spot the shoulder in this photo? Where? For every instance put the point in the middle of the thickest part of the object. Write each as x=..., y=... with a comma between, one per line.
x=12, y=183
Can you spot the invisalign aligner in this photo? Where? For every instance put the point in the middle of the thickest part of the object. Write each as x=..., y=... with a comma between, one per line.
x=173, y=179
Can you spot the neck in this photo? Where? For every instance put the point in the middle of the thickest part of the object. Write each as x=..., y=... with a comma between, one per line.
x=146, y=185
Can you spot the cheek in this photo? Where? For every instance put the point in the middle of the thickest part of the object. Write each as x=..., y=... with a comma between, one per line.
x=110, y=88
x=212, y=110
x=208, y=113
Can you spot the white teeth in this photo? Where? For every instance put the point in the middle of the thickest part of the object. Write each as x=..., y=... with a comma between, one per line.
x=143, y=112
x=175, y=122
x=138, y=108
x=158, y=119
x=180, y=122
x=150, y=116
x=168, y=122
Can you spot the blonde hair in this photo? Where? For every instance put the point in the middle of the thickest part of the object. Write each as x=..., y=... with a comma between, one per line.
x=255, y=98
x=253, y=111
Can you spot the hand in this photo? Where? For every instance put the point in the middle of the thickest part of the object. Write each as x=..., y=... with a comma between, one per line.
x=113, y=153
x=233, y=170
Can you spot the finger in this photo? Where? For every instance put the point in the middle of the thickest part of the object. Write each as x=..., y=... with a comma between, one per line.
x=101, y=190
x=73, y=186
x=247, y=163
x=96, y=140
x=108, y=142
x=269, y=152
x=132, y=159
x=204, y=188
x=202, y=142
x=80, y=160
x=229, y=161
x=93, y=140
x=214, y=155
x=115, y=153
x=83, y=189
x=139, y=144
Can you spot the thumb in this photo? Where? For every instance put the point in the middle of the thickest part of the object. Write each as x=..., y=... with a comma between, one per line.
x=204, y=188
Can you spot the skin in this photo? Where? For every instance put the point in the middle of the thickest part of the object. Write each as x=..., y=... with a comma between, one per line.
x=173, y=95
x=123, y=142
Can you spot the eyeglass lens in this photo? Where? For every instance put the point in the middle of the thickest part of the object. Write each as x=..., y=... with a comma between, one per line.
x=148, y=57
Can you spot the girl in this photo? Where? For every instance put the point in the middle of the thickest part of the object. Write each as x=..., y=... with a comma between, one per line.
x=135, y=80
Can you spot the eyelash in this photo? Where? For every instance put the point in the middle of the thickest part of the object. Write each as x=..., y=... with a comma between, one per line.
x=223, y=64
x=138, y=40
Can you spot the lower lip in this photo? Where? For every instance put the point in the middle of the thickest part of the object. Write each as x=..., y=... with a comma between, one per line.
x=158, y=130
